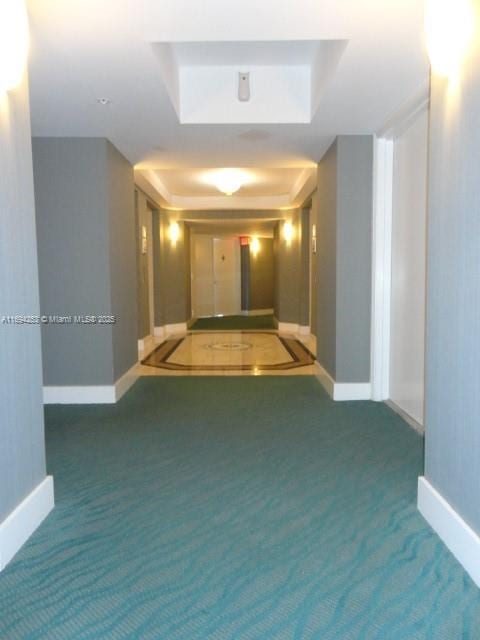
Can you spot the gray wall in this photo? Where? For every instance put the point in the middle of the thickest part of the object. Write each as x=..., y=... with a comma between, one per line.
x=122, y=255
x=261, y=276
x=288, y=270
x=345, y=179
x=313, y=282
x=452, y=447
x=171, y=271
x=327, y=261
x=22, y=441
x=305, y=250
x=354, y=257
x=86, y=250
x=141, y=211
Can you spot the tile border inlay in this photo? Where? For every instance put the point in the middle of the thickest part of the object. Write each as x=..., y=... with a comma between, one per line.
x=300, y=355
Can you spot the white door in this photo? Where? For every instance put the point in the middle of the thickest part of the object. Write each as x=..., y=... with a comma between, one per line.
x=407, y=331
x=202, y=277
x=226, y=267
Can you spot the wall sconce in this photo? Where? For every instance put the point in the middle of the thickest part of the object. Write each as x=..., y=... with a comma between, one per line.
x=449, y=31
x=255, y=246
x=288, y=232
x=14, y=41
x=174, y=233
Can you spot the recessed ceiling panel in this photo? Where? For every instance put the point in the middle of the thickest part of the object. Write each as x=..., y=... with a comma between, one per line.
x=287, y=79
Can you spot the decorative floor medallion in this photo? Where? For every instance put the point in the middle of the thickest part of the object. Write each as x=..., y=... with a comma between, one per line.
x=230, y=351
x=228, y=346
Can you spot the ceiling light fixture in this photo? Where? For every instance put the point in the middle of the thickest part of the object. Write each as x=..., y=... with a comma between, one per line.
x=14, y=43
x=228, y=181
x=449, y=31
x=104, y=101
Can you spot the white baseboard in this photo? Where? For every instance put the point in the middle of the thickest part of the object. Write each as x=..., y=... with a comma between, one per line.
x=179, y=327
x=457, y=535
x=22, y=522
x=325, y=379
x=343, y=391
x=419, y=428
x=145, y=343
x=124, y=383
x=303, y=330
x=258, y=312
x=94, y=394
x=288, y=327
x=159, y=332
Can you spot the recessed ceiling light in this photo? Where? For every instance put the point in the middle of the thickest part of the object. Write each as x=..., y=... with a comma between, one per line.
x=104, y=101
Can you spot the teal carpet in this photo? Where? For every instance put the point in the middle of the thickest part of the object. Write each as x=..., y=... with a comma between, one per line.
x=234, y=508
x=234, y=323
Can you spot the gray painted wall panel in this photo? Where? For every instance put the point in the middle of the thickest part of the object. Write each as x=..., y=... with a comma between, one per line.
x=304, y=283
x=313, y=283
x=159, y=276
x=22, y=441
x=86, y=249
x=261, y=276
x=143, y=322
x=71, y=201
x=452, y=447
x=327, y=260
x=344, y=203
x=288, y=271
x=172, y=272
x=354, y=257
x=122, y=254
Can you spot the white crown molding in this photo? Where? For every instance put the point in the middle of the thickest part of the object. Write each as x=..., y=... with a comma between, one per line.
x=17, y=528
x=458, y=536
x=304, y=186
x=203, y=203
x=406, y=115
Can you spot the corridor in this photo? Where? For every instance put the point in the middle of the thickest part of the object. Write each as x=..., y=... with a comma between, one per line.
x=199, y=510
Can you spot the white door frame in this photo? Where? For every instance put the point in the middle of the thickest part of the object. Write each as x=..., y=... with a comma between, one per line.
x=381, y=267
x=382, y=241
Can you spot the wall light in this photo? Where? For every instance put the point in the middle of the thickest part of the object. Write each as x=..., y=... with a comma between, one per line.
x=255, y=246
x=174, y=233
x=449, y=31
x=288, y=231
x=14, y=42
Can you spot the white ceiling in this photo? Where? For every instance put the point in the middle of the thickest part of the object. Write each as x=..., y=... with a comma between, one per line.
x=83, y=50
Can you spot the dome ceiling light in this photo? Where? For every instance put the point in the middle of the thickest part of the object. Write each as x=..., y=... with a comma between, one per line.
x=228, y=181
